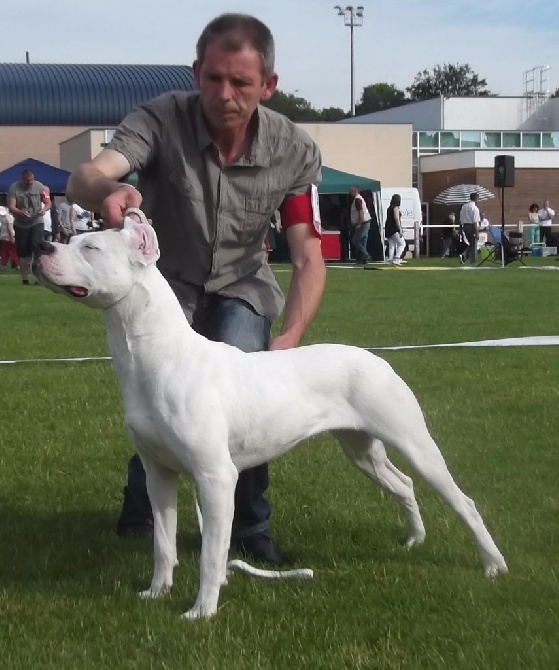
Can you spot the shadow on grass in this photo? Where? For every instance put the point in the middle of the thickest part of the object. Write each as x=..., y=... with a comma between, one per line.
x=76, y=548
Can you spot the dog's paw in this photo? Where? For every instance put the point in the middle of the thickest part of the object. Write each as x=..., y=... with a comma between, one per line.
x=199, y=612
x=493, y=569
x=415, y=539
x=152, y=593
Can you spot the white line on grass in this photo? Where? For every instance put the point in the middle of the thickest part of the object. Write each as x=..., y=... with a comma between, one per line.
x=532, y=341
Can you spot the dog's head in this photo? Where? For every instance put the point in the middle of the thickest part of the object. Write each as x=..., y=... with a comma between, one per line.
x=99, y=268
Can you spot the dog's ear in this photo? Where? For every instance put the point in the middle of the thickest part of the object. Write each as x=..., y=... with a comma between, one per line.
x=143, y=238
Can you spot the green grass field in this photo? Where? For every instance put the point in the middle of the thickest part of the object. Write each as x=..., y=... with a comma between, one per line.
x=68, y=583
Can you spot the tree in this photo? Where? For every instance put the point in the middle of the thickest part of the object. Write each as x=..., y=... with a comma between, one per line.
x=447, y=79
x=331, y=114
x=296, y=109
x=380, y=96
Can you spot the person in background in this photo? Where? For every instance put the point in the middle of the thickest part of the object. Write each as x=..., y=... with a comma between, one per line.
x=26, y=202
x=80, y=219
x=469, y=223
x=545, y=216
x=7, y=240
x=66, y=227
x=213, y=165
x=50, y=218
x=448, y=234
x=361, y=224
x=393, y=230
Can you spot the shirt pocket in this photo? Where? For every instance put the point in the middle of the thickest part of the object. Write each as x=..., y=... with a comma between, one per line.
x=258, y=214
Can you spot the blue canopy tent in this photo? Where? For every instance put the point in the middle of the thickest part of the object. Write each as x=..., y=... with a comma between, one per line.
x=49, y=175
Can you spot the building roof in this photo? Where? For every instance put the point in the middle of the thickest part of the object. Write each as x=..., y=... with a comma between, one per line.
x=82, y=95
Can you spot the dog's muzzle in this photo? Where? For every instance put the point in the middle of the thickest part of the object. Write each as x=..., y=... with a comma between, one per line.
x=47, y=249
x=44, y=249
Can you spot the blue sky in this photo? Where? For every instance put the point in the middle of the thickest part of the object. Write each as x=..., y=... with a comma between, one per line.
x=499, y=39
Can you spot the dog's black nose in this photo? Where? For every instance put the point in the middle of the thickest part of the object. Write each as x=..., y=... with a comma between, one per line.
x=45, y=248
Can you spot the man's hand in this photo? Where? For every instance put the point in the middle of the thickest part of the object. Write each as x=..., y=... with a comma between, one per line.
x=115, y=205
x=286, y=341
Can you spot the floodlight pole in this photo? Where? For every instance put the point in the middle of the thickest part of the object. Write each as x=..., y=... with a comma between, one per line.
x=353, y=18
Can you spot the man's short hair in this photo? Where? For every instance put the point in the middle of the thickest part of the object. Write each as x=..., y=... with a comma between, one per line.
x=473, y=196
x=27, y=173
x=233, y=32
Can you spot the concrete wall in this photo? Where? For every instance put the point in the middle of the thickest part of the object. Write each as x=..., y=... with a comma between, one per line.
x=42, y=143
x=81, y=148
x=380, y=152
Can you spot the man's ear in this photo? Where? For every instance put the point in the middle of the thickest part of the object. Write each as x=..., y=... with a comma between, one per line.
x=196, y=73
x=269, y=86
x=142, y=237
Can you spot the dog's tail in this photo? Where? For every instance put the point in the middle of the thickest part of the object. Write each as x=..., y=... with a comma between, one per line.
x=242, y=566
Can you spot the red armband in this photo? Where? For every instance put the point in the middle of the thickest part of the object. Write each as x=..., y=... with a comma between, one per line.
x=302, y=209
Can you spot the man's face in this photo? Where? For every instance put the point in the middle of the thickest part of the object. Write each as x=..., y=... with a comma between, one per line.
x=28, y=178
x=546, y=204
x=231, y=85
x=353, y=192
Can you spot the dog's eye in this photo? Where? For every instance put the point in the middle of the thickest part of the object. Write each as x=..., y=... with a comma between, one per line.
x=90, y=246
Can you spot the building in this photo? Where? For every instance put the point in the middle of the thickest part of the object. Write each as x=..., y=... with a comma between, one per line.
x=455, y=140
x=65, y=114
x=46, y=104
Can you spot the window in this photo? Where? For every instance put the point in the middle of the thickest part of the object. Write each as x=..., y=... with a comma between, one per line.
x=471, y=139
x=450, y=140
x=531, y=140
x=550, y=140
x=491, y=140
x=429, y=140
x=511, y=140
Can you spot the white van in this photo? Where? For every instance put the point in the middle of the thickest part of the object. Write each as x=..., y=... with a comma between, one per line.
x=410, y=208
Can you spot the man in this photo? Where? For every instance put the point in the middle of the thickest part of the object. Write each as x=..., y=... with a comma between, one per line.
x=469, y=222
x=361, y=222
x=448, y=234
x=545, y=216
x=27, y=202
x=213, y=167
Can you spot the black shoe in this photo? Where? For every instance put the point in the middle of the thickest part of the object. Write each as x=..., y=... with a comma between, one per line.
x=25, y=282
x=135, y=520
x=261, y=547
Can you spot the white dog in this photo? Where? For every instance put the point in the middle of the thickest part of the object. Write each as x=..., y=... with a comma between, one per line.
x=210, y=410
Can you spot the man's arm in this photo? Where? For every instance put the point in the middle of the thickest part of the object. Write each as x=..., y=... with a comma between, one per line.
x=360, y=211
x=306, y=287
x=13, y=209
x=96, y=180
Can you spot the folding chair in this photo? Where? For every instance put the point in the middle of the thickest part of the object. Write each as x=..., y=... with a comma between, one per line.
x=516, y=239
x=500, y=245
x=513, y=252
x=493, y=245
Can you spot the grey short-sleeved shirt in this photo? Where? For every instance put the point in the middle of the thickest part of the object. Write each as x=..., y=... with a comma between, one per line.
x=211, y=220
x=29, y=198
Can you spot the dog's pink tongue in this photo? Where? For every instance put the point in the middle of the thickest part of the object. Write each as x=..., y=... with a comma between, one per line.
x=78, y=291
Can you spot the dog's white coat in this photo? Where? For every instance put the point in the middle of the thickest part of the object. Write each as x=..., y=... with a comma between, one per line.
x=210, y=410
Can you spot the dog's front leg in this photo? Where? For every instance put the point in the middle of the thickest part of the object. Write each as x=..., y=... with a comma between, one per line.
x=162, y=485
x=217, y=500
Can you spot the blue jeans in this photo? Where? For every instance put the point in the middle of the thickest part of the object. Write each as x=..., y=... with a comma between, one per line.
x=234, y=322
x=360, y=237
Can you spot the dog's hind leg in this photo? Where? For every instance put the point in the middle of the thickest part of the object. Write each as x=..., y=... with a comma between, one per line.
x=217, y=502
x=162, y=485
x=422, y=453
x=369, y=455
